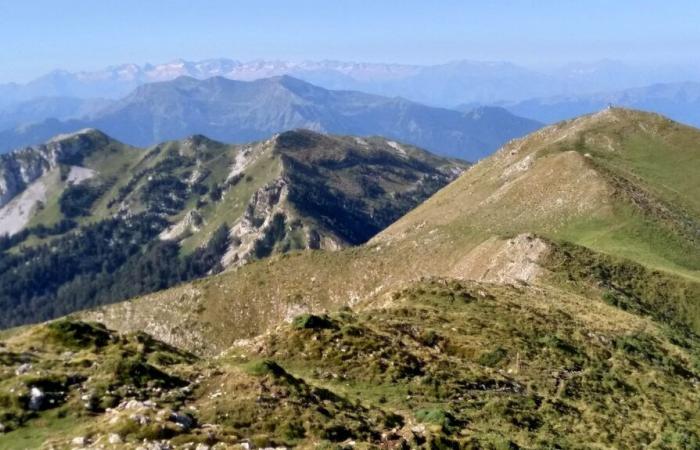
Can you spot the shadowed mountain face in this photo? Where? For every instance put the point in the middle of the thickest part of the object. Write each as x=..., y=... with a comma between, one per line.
x=39, y=109
x=237, y=111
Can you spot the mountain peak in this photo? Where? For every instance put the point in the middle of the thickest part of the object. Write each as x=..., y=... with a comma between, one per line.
x=90, y=133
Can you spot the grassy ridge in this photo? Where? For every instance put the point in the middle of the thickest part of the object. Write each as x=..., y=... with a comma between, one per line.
x=440, y=363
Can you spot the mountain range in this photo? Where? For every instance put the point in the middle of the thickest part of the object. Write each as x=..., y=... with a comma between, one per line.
x=182, y=209
x=241, y=111
x=548, y=297
x=679, y=101
x=444, y=85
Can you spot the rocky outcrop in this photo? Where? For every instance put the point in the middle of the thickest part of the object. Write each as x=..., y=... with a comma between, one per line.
x=258, y=220
x=504, y=261
x=21, y=168
x=18, y=211
x=269, y=221
x=191, y=223
x=18, y=170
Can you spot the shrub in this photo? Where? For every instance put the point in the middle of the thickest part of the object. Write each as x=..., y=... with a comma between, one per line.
x=77, y=199
x=491, y=359
x=436, y=416
x=312, y=322
x=78, y=335
x=265, y=367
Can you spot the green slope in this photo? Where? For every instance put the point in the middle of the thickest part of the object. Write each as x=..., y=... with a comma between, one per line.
x=621, y=182
x=438, y=363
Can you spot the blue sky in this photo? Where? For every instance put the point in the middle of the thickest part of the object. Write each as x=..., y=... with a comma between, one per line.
x=40, y=35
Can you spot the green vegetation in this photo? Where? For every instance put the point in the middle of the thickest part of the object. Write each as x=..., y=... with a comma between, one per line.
x=439, y=363
x=582, y=333
x=98, y=240
x=569, y=375
x=77, y=199
x=59, y=376
x=312, y=322
x=77, y=335
x=627, y=285
x=107, y=261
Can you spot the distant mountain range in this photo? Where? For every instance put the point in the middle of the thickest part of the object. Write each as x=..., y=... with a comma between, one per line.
x=65, y=101
x=241, y=111
x=679, y=101
x=444, y=84
x=42, y=108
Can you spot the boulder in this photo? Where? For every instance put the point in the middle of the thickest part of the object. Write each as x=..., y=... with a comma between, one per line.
x=37, y=398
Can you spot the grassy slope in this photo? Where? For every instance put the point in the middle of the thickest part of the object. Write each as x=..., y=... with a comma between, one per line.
x=438, y=362
x=76, y=364
x=489, y=365
x=620, y=182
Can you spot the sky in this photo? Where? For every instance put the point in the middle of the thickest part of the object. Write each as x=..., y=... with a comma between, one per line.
x=37, y=36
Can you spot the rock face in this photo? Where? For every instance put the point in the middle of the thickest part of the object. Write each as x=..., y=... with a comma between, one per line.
x=19, y=169
x=508, y=261
x=331, y=193
x=190, y=223
x=15, y=214
x=263, y=217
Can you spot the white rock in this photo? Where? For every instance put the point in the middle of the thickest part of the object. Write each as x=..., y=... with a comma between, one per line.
x=114, y=438
x=80, y=441
x=159, y=446
x=418, y=429
x=140, y=419
x=23, y=368
x=36, y=399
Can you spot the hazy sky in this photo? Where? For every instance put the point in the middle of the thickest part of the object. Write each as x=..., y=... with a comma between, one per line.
x=37, y=36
